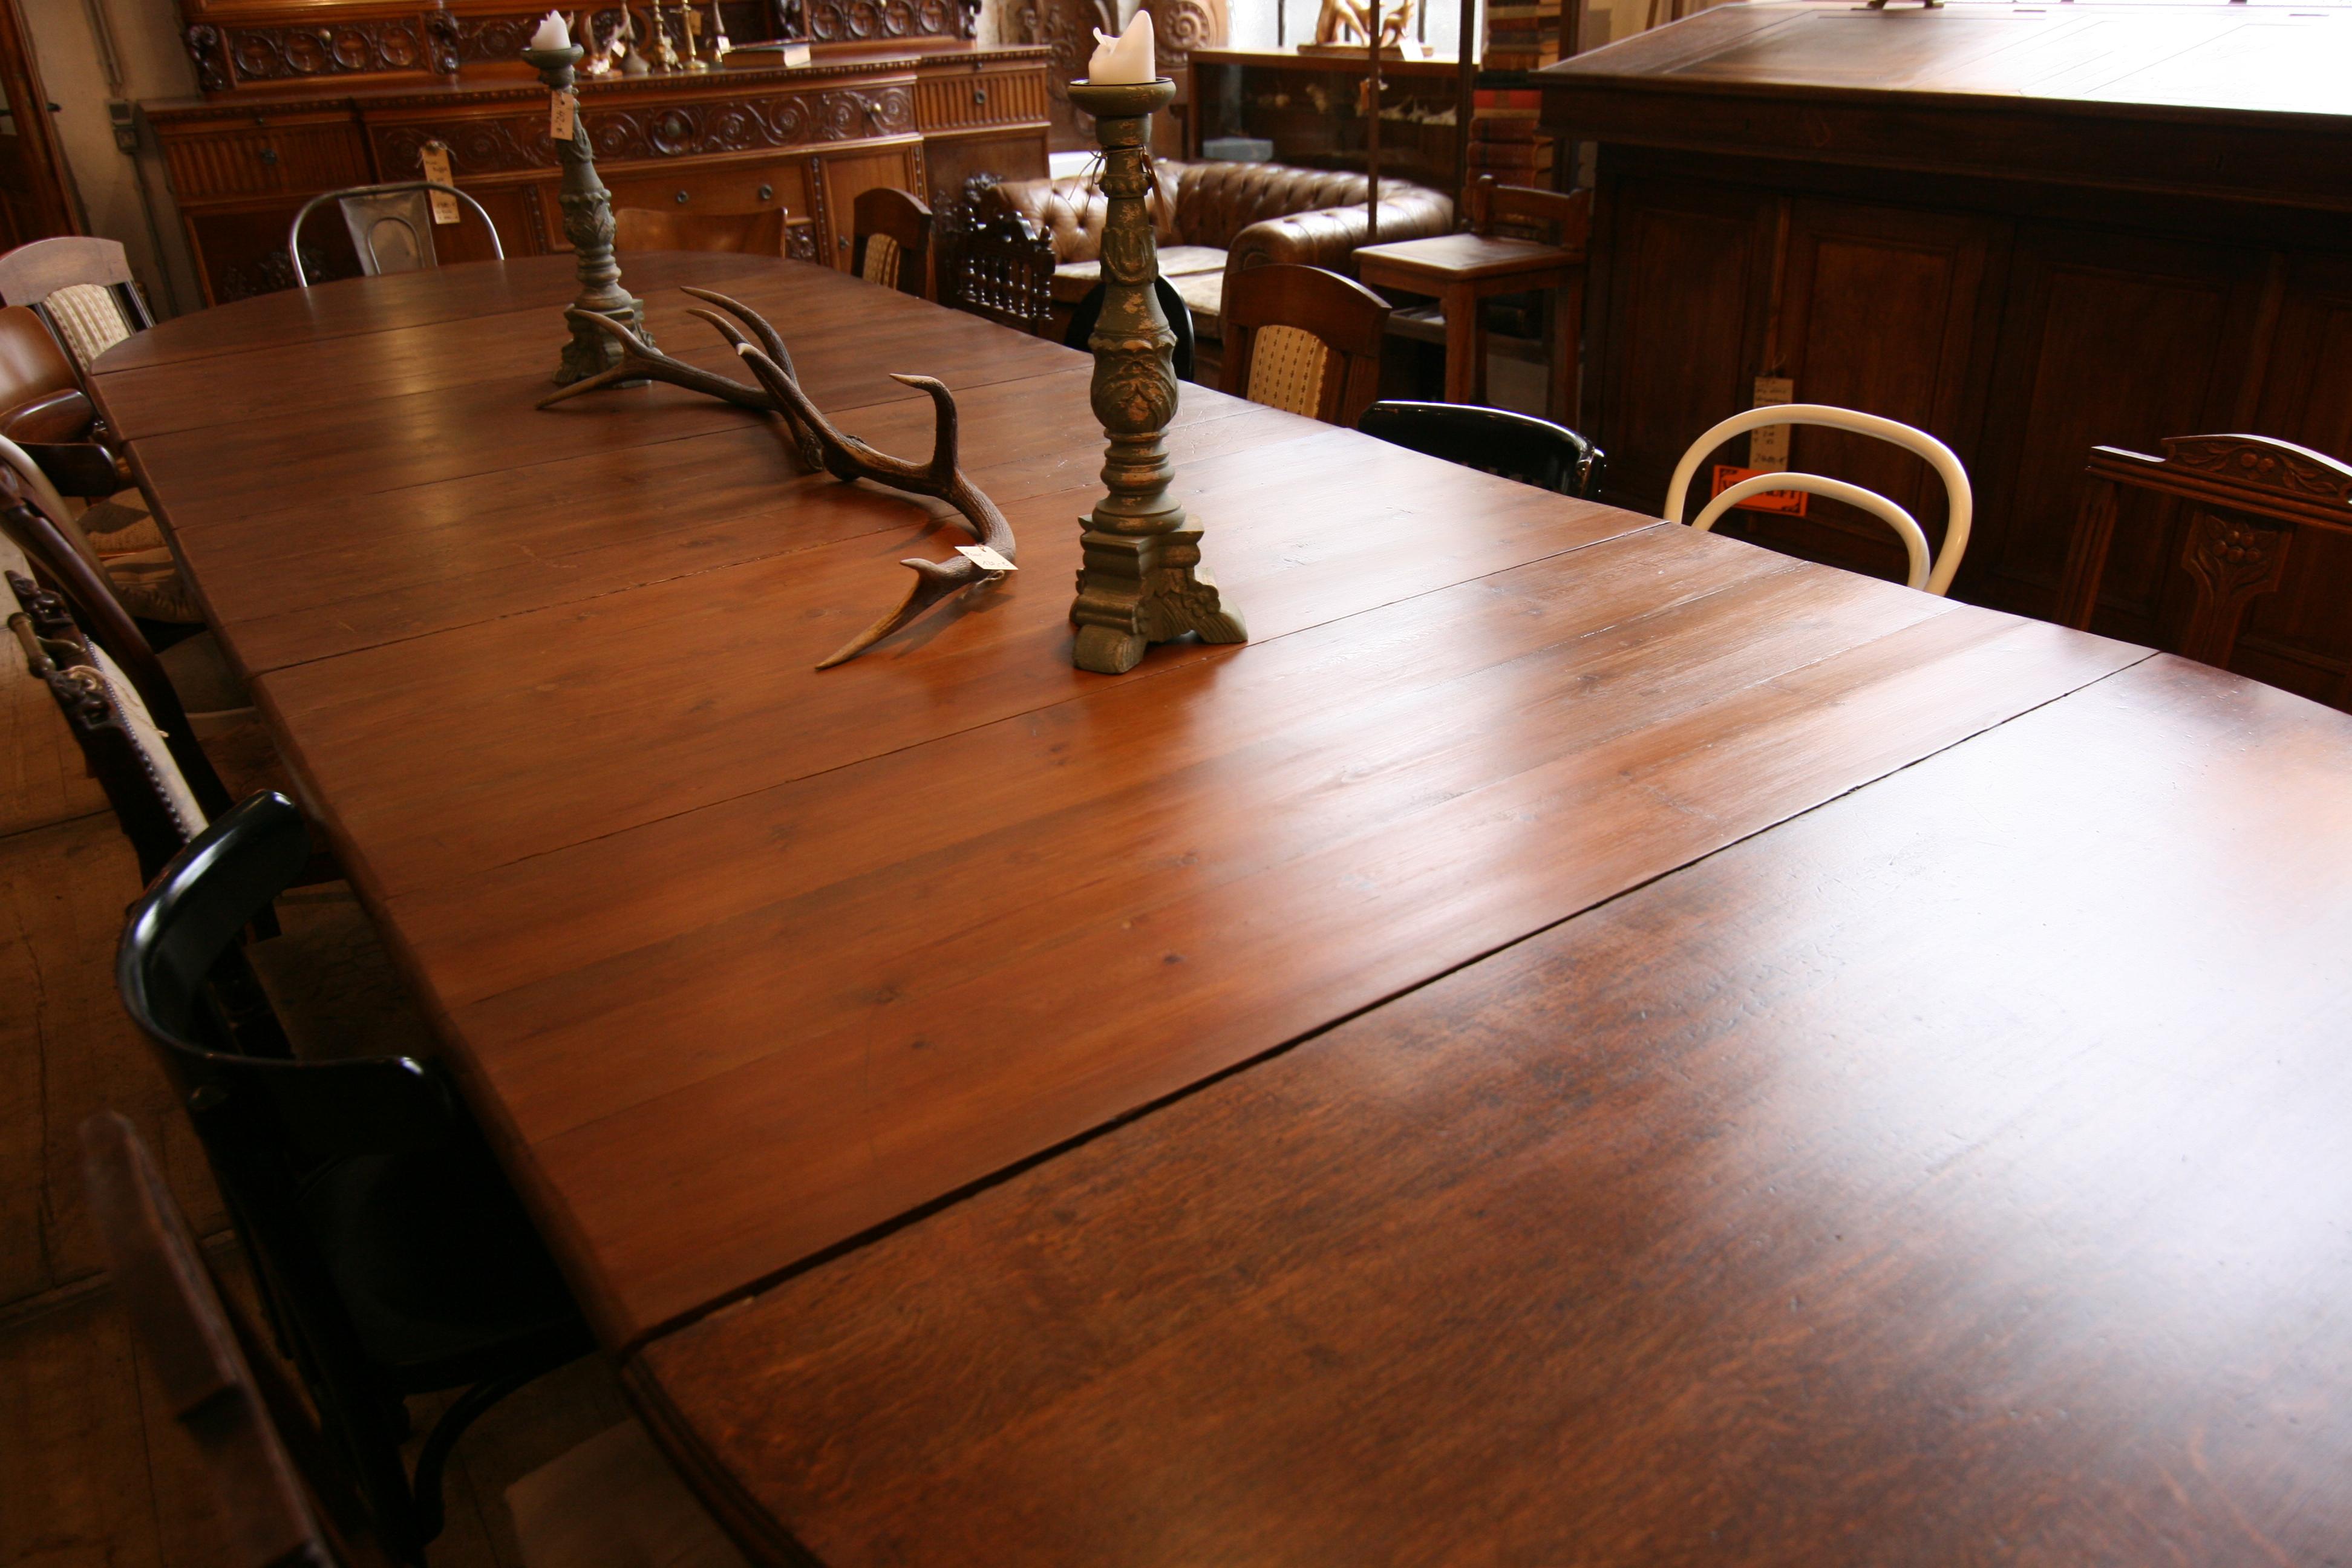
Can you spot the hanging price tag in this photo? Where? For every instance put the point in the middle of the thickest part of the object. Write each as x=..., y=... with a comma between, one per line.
x=987, y=560
x=1768, y=449
x=435, y=157
x=563, y=114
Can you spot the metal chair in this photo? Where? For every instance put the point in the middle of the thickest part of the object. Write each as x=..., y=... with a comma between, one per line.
x=1961, y=501
x=1305, y=339
x=391, y=1251
x=893, y=241
x=1088, y=310
x=1494, y=441
x=391, y=227
x=82, y=287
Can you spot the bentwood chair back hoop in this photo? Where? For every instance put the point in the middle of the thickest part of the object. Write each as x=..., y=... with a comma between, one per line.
x=893, y=241
x=1088, y=310
x=282, y=1499
x=1305, y=339
x=1004, y=272
x=2245, y=496
x=395, y=1257
x=82, y=287
x=390, y=226
x=1494, y=441
x=1960, y=499
x=738, y=234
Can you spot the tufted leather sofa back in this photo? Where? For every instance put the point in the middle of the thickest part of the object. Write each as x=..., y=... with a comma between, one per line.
x=1196, y=204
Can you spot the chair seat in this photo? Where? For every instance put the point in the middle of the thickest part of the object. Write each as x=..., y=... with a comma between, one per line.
x=1205, y=292
x=117, y=526
x=1176, y=262
x=614, y=1502
x=330, y=982
x=148, y=583
x=199, y=672
x=435, y=1260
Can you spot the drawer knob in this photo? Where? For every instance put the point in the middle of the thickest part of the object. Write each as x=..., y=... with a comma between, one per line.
x=841, y=243
x=681, y=198
x=268, y=155
x=767, y=193
x=979, y=97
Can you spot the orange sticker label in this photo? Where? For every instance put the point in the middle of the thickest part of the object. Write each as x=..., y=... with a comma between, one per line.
x=1787, y=503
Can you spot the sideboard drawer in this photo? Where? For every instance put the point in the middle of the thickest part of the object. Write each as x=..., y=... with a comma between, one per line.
x=960, y=101
x=722, y=188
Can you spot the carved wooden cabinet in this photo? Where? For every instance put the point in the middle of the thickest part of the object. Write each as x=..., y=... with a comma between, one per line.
x=303, y=111
x=1996, y=244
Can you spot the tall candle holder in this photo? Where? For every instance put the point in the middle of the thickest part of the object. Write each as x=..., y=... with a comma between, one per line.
x=588, y=224
x=1141, y=580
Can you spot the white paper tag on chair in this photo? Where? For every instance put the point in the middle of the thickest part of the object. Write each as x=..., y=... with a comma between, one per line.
x=435, y=158
x=987, y=560
x=563, y=114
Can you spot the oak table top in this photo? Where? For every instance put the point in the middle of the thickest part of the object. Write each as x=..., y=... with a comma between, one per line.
x=1368, y=1094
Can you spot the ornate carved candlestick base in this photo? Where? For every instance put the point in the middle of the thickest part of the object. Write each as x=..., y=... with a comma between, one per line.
x=1141, y=581
x=588, y=224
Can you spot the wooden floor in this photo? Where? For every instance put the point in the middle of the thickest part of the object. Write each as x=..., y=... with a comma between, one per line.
x=93, y=1472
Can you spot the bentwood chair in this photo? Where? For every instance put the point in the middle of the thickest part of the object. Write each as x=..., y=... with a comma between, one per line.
x=1088, y=310
x=282, y=1499
x=391, y=227
x=893, y=241
x=741, y=234
x=1003, y=270
x=82, y=287
x=393, y=1255
x=2246, y=497
x=1305, y=339
x=1960, y=502
x=1494, y=441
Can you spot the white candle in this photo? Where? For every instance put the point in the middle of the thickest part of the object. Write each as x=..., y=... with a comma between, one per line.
x=1127, y=58
x=552, y=34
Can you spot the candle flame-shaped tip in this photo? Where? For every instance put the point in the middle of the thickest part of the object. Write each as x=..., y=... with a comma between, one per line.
x=1125, y=59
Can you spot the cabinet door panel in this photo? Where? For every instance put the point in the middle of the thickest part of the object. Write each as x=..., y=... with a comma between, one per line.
x=843, y=178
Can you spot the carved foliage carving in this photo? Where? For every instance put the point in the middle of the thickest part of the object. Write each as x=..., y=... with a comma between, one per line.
x=204, y=48
x=2263, y=464
x=1066, y=28
x=341, y=48
x=673, y=130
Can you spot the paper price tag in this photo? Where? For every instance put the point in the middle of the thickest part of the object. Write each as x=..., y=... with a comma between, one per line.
x=987, y=560
x=1768, y=449
x=435, y=157
x=563, y=114
x=1787, y=503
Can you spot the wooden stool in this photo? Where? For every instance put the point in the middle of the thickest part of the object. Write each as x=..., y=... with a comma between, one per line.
x=1461, y=270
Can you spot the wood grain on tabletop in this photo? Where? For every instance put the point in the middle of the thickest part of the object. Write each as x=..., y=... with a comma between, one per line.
x=1955, y=1171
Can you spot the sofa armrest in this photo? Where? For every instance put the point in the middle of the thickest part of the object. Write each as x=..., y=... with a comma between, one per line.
x=1328, y=237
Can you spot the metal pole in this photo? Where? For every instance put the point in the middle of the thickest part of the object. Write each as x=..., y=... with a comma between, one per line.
x=1372, y=132
x=1465, y=55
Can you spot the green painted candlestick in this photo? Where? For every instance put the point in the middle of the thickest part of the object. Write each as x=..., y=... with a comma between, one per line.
x=588, y=224
x=1141, y=580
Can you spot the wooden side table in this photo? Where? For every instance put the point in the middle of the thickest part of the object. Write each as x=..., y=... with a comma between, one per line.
x=1461, y=270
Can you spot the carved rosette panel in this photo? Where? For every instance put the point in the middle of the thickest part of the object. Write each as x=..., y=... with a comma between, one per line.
x=1181, y=26
x=2249, y=460
x=864, y=21
x=674, y=131
x=1068, y=28
x=344, y=49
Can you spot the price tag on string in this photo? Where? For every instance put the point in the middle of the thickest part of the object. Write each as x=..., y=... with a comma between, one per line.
x=563, y=114
x=435, y=156
x=987, y=560
x=1768, y=447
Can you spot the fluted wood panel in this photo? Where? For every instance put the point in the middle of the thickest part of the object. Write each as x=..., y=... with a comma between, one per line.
x=992, y=98
x=253, y=160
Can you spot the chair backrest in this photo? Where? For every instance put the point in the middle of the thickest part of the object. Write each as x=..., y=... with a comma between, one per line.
x=1005, y=271
x=64, y=560
x=82, y=287
x=390, y=226
x=1305, y=339
x=1554, y=217
x=893, y=241
x=1088, y=310
x=267, y=1463
x=154, y=803
x=1494, y=441
x=1960, y=500
x=746, y=234
x=34, y=369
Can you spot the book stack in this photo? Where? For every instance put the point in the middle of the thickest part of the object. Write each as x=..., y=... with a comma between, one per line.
x=1521, y=36
x=1505, y=139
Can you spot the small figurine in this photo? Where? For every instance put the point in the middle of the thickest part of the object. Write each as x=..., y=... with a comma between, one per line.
x=719, y=47
x=664, y=54
x=1346, y=21
x=689, y=27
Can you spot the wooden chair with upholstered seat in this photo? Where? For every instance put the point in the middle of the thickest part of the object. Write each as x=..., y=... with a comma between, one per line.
x=893, y=241
x=393, y=1253
x=1305, y=339
x=1494, y=441
x=2246, y=496
x=745, y=234
x=1003, y=270
x=391, y=227
x=1960, y=504
x=82, y=287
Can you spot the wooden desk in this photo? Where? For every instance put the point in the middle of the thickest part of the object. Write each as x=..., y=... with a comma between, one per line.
x=1461, y=269
x=1577, y=1102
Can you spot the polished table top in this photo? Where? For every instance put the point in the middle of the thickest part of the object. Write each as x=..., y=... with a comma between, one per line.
x=1583, y=1041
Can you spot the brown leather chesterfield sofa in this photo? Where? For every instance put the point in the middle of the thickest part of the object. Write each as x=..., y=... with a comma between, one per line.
x=1215, y=219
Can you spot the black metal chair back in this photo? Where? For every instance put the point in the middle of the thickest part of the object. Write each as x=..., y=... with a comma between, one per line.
x=1088, y=310
x=1494, y=441
x=285, y=1136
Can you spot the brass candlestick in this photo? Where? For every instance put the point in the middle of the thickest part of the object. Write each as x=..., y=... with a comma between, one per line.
x=588, y=224
x=1140, y=579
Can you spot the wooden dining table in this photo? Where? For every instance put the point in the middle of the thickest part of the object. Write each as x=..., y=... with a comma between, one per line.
x=1581, y=1042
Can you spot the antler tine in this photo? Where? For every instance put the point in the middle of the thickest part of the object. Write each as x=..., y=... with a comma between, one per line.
x=806, y=444
x=934, y=581
x=639, y=358
x=769, y=339
x=944, y=438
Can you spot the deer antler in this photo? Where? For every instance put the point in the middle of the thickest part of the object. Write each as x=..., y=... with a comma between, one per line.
x=821, y=445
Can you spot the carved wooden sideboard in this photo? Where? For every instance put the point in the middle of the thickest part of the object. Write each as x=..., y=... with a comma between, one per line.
x=294, y=110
